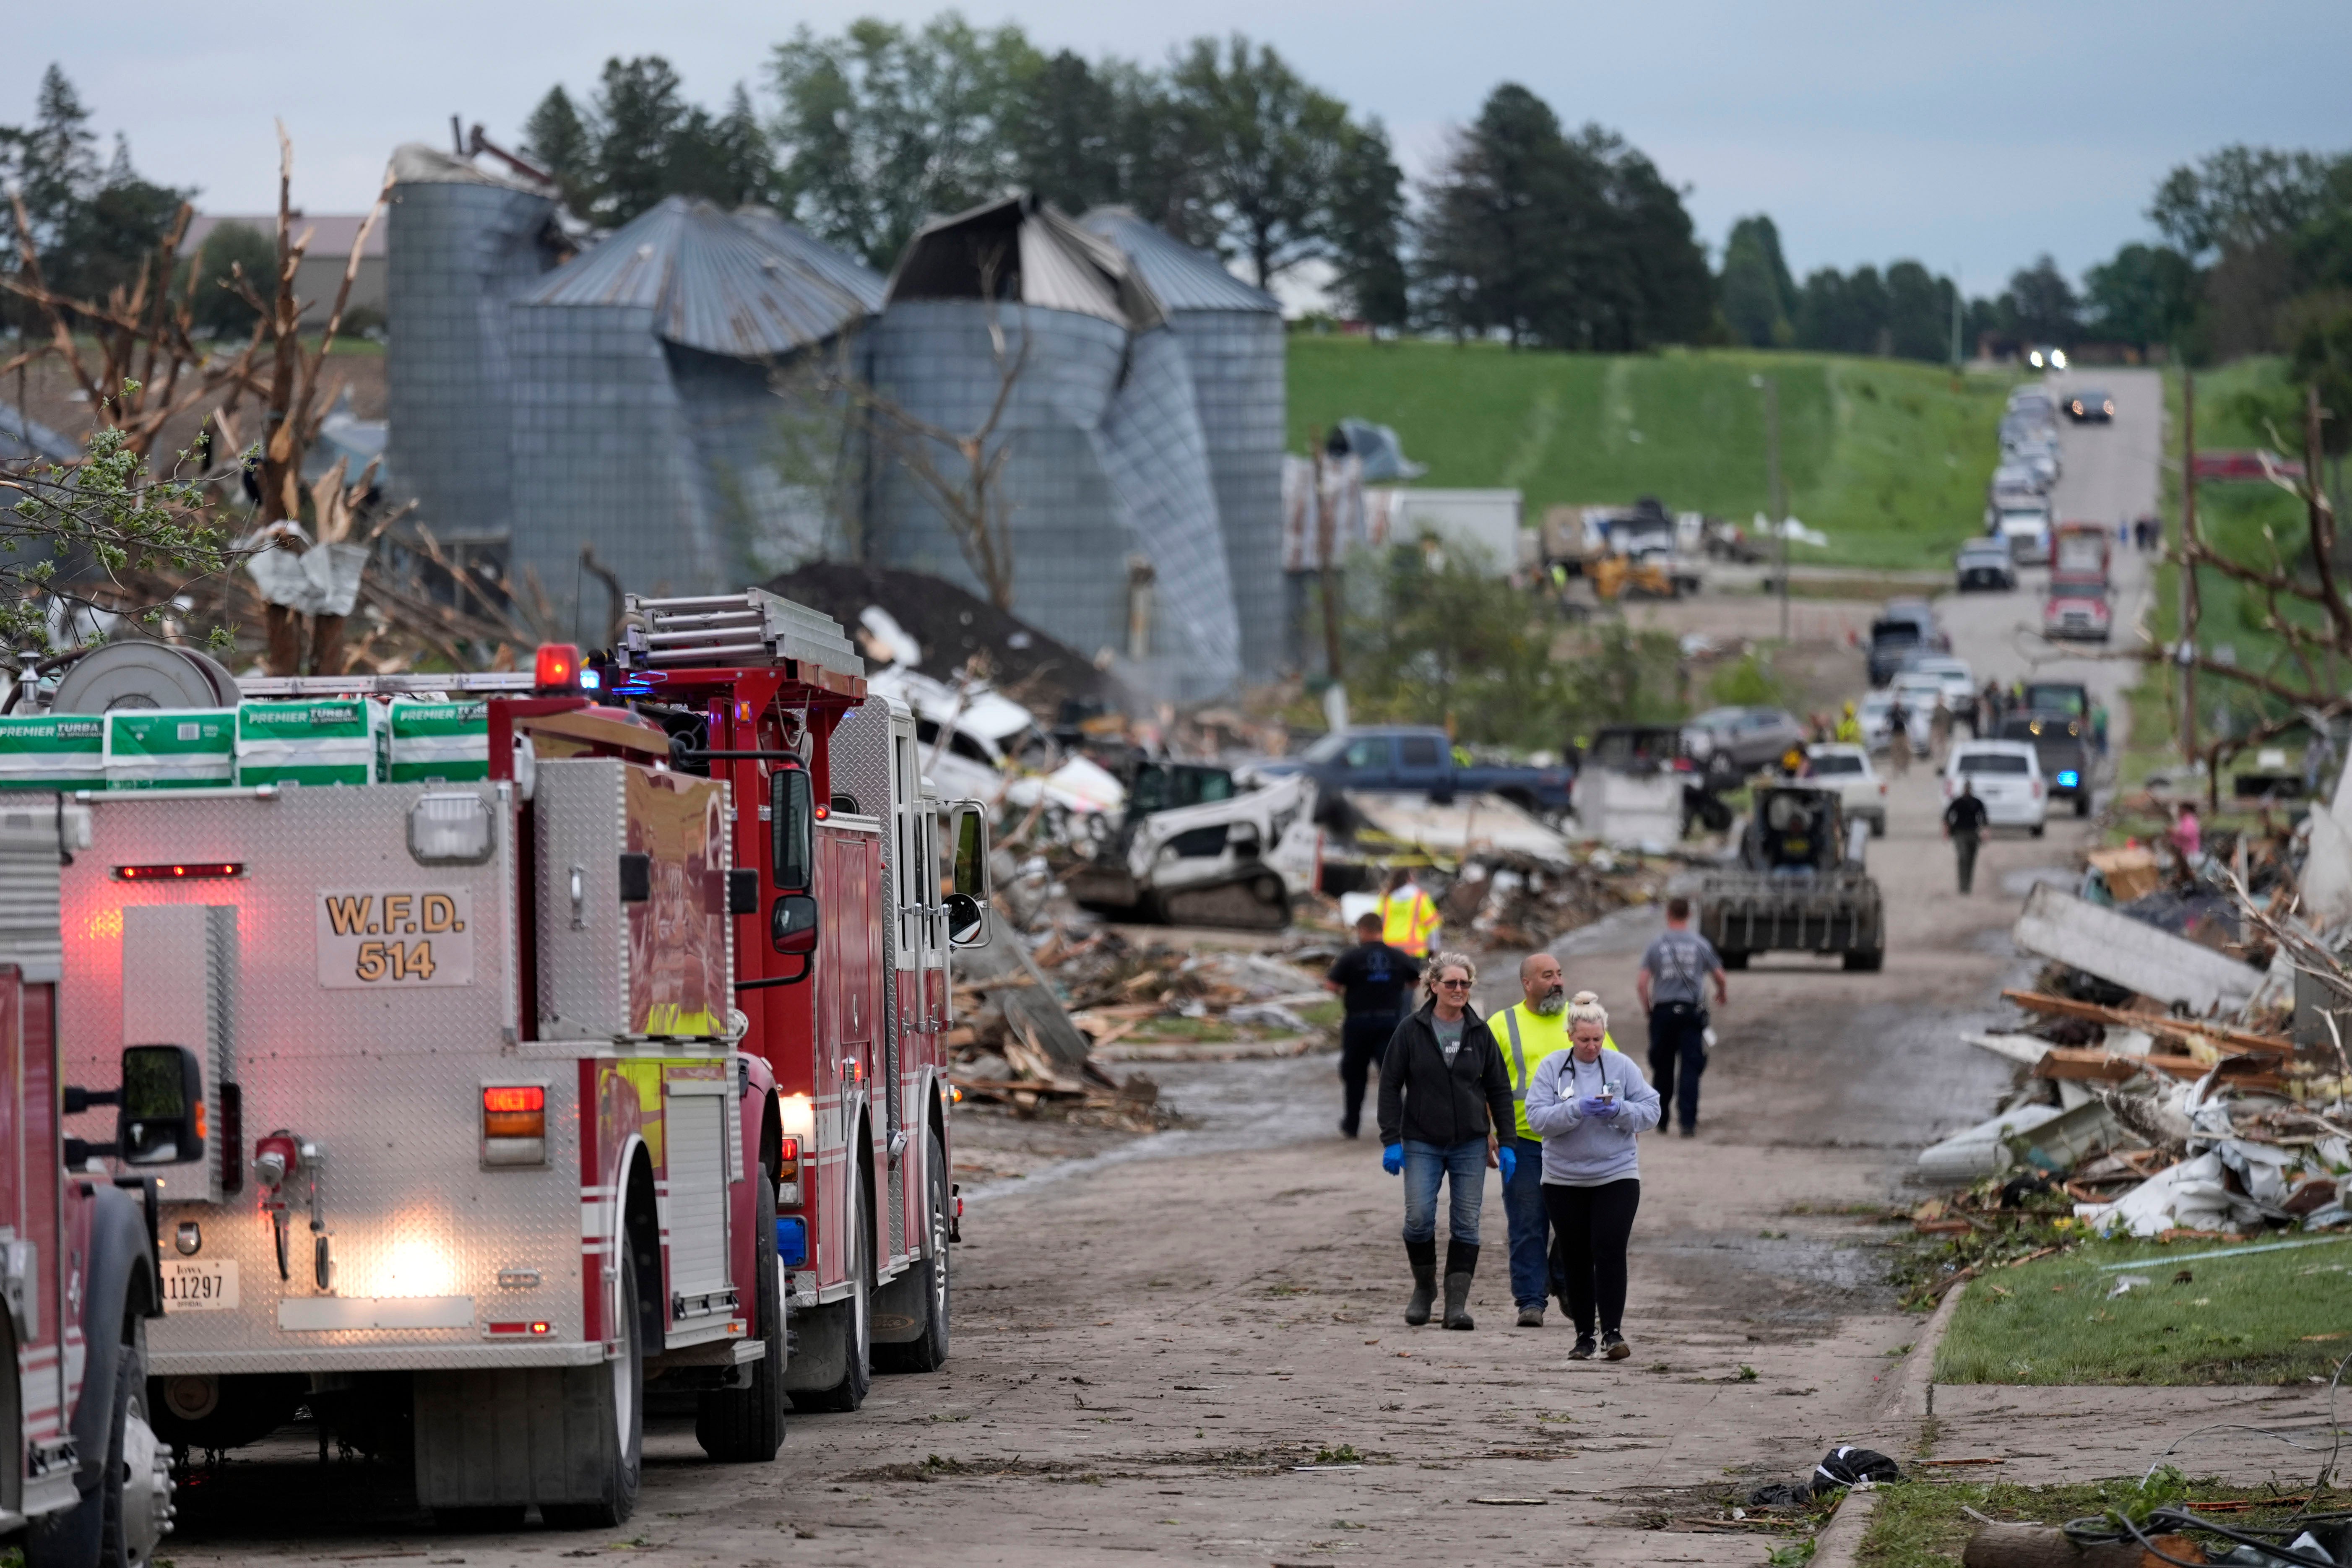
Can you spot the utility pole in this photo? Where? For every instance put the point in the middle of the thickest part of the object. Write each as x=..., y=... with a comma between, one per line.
x=1955, y=324
x=1326, y=525
x=1774, y=498
x=2185, y=656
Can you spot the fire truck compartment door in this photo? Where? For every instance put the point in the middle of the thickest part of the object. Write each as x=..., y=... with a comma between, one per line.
x=184, y=957
x=694, y=1194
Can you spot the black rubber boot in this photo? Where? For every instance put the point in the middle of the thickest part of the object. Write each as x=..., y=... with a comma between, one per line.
x=1423, y=1254
x=1461, y=1264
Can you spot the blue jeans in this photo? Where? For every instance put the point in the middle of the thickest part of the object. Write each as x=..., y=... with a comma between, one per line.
x=1537, y=1273
x=1464, y=1167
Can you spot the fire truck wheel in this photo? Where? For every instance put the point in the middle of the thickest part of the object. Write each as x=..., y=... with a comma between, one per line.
x=929, y=1352
x=852, y=1317
x=618, y=1440
x=118, y=1524
x=746, y=1426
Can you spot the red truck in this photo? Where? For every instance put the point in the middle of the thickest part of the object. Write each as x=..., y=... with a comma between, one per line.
x=2077, y=604
x=83, y=1478
x=603, y=1065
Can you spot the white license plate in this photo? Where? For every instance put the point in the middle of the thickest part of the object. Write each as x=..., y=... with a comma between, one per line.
x=197, y=1285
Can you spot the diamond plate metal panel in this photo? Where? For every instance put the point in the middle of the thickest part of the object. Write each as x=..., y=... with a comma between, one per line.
x=388, y=1085
x=580, y=821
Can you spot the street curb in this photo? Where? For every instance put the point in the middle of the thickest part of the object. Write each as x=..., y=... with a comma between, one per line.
x=1915, y=1380
x=1839, y=1545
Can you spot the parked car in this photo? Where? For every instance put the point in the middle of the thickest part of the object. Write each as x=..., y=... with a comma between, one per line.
x=2075, y=607
x=2061, y=747
x=1408, y=759
x=1846, y=768
x=1985, y=564
x=1739, y=740
x=1959, y=682
x=2007, y=776
x=2015, y=475
x=2090, y=405
x=1901, y=631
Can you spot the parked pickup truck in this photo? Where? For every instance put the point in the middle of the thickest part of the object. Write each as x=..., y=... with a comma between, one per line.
x=1406, y=759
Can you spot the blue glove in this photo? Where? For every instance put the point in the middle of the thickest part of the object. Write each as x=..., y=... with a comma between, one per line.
x=1393, y=1159
x=1593, y=1105
x=1508, y=1158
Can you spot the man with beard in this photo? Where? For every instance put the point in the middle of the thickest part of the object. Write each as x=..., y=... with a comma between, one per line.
x=1529, y=1031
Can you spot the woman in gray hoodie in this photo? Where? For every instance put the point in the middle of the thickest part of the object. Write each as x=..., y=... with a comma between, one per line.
x=1589, y=1104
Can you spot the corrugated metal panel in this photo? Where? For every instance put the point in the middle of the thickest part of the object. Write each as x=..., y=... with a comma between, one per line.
x=1184, y=279
x=835, y=267
x=712, y=283
x=1061, y=266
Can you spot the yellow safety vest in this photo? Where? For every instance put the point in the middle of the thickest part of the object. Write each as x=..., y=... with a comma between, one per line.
x=1528, y=1038
x=1409, y=923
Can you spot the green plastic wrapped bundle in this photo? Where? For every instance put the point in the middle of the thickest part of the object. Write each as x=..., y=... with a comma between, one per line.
x=52, y=751
x=320, y=741
x=171, y=748
x=446, y=741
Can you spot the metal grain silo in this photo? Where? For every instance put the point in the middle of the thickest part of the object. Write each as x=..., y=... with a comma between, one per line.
x=1232, y=336
x=463, y=243
x=646, y=422
x=1106, y=469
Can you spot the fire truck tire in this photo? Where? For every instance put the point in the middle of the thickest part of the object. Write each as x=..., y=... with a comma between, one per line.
x=928, y=1351
x=746, y=1426
x=118, y=1522
x=618, y=1440
x=850, y=1321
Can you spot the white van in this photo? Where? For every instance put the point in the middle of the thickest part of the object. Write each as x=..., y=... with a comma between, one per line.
x=2007, y=776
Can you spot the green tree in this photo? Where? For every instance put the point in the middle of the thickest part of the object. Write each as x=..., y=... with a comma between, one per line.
x=1067, y=136
x=2240, y=198
x=883, y=128
x=219, y=302
x=1269, y=147
x=2146, y=295
x=1757, y=295
x=725, y=158
x=2045, y=309
x=1366, y=228
x=1498, y=241
x=556, y=138
x=635, y=116
x=91, y=225
x=1919, y=313
x=1649, y=281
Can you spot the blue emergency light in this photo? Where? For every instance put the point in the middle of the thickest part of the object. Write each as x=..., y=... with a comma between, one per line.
x=792, y=1241
x=590, y=679
x=2068, y=779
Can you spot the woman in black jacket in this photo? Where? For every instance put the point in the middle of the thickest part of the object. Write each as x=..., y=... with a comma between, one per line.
x=1444, y=1092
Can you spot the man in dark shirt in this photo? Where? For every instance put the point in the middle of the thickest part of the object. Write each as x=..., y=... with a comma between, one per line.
x=1964, y=823
x=1377, y=981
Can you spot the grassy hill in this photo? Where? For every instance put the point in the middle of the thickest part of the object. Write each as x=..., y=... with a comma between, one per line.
x=1885, y=457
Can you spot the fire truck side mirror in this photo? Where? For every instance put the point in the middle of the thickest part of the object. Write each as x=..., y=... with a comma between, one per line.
x=793, y=927
x=791, y=820
x=967, y=920
x=968, y=837
x=160, y=1118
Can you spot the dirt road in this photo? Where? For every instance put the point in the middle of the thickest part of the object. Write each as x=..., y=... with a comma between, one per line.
x=1190, y=1350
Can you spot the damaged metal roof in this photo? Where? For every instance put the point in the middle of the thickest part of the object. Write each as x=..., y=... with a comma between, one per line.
x=1184, y=277
x=716, y=282
x=1037, y=256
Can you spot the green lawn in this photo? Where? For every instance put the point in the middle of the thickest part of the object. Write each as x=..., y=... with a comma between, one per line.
x=1884, y=455
x=2266, y=1317
x=1922, y=1523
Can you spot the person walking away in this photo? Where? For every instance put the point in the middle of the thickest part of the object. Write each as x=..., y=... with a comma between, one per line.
x=1445, y=1096
x=1409, y=920
x=1673, y=989
x=2099, y=727
x=1939, y=732
x=1899, y=739
x=1989, y=709
x=1531, y=1030
x=1591, y=1104
x=1375, y=981
x=1964, y=825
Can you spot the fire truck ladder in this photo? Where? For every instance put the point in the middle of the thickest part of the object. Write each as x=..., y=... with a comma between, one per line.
x=751, y=627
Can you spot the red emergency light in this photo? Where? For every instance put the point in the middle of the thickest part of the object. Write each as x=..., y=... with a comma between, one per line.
x=557, y=667
x=192, y=871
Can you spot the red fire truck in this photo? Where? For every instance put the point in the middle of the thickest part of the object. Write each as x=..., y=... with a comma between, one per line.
x=549, y=1089
x=83, y=1480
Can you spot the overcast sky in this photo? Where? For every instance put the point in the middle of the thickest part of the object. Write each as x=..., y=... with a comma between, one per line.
x=1971, y=136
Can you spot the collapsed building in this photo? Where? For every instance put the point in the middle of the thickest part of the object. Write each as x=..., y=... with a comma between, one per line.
x=677, y=400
